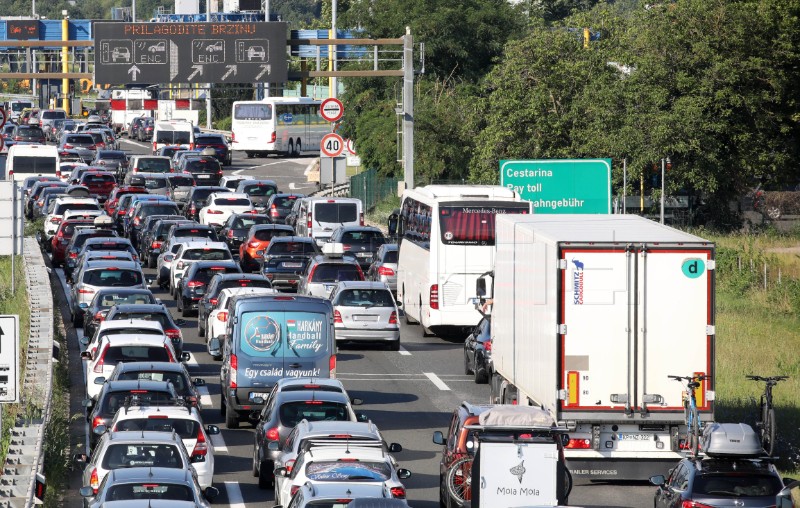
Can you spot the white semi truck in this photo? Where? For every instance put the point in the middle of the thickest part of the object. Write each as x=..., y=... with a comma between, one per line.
x=590, y=314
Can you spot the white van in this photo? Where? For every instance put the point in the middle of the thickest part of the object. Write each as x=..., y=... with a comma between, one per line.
x=317, y=217
x=16, y=106
x=172, y=133
x=32, y=160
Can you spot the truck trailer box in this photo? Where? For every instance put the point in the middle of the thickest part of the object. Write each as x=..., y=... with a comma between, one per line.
x=591, y=314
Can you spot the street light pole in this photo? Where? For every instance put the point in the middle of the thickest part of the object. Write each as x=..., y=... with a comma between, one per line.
x=664, y=163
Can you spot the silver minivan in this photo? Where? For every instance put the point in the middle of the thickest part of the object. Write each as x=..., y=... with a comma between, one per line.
x=317, y=217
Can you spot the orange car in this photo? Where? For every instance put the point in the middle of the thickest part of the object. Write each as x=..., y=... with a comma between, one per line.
x=257, y=241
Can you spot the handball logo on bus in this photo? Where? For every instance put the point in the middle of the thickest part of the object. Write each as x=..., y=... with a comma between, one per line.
x=577, y=283
x=262, y=333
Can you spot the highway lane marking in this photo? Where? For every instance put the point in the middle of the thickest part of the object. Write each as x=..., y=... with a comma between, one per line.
x=134, y=143
x=192, y=361
x=436, y=381
x=235, y=499
x=239, y=171
x=403, y=351
x=206, y=402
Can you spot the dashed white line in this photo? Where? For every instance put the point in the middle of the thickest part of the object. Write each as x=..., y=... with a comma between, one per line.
x=235, y=499
x=206, y=402
x=192, y=361
x=436, y=381
x=403, y=351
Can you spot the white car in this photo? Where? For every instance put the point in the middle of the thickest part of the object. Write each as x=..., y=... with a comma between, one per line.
x=232, y=181
x=340, y=494
x=218, y=317
x=121, y=327
x=113, y=349
x=82, y=214
x=221, y=205
x=185, y=421
x=191, y=252
x=167, y=254
x=338, y=464
x=63, y=204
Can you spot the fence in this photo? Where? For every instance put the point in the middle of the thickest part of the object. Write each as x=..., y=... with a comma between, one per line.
x=371, y=188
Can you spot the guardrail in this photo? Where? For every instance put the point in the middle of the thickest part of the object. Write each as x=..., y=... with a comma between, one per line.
x=343, y=189
x=26, y=451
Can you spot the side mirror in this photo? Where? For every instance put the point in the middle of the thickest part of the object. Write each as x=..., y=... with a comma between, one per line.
x=399, y=304
x=257, y=400
x=214, y=347
x=199, y=381
x=786, y=497
x=564, y=439
x=83, y=306
x=100, y=430
x=211, y=493
x=658, y=480
x=356, y=401
x=212, y=430
x=180, y=322
x=281, y=471
x=99, y=380
x=80, y=458
x=392, y=223
x=361, y=417
x=403, y=473
x=86, y=491
x=84, y=341
x=480, y=286
x=395, y=448
x=185, y=357
x=86, y=355
x=273, y=446
x=438, y=437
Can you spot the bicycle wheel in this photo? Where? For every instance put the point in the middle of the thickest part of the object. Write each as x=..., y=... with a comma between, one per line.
x=768, y=431
x=459, y=480
x=693, y=428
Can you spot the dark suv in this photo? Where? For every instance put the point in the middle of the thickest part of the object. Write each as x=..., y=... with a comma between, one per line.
x=192, y=285
x=222, y=281
x=710, y=481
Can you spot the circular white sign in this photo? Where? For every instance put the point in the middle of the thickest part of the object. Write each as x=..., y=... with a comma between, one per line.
x=331, y=109
x=348, y=144
x=331, y=145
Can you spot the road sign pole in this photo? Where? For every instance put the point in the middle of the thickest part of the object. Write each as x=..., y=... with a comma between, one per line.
x=408, y=109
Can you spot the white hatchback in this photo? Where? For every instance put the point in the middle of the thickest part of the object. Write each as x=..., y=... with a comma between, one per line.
x=63, y=204
x=221, y=205
x=191, y=252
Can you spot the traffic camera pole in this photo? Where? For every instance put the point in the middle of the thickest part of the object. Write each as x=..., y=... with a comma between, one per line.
x=408, y=109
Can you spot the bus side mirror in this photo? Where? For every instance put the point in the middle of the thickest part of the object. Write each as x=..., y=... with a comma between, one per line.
x=392, y=225
x=480, y=287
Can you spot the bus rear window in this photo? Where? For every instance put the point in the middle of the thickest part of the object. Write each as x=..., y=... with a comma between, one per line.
x=252, y=112
x=474, y=224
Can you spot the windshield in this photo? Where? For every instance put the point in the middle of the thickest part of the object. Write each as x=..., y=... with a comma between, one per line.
x=124, y=455
x=474, y=224
x=334, y=471
x=291, y=413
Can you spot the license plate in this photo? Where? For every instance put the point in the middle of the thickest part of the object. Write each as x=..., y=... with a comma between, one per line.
x=631, y=436
x=203, y=176
x=291, y=264
x=363, y=254
x=258, y=394
x=364, y=317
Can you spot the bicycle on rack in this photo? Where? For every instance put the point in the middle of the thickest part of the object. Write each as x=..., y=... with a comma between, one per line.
x=766, y=424
x=693, y=423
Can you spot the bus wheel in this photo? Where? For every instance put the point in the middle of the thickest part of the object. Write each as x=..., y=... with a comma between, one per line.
x=249, y=155
x=298, y=147
x=290, y=152
x=409, y=319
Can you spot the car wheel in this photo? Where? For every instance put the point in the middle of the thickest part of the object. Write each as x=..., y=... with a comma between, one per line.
x=467, y=370
x=231, y=419
x=222, y=407
x=481, y=376
x=151, y=262
x=185, y=311
x=174, y=292
x=773, y=212
x=255, y=460
x=265, y=475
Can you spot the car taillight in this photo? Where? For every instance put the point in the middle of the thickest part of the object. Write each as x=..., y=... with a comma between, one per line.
x=215, y=212
x=86, y=291
x=200, y=447
x=98, y=368
x=294, y=488
x=55, y=220
x=434, y=296
x=222, y=316
x=289, y=465
x=155, y=245
x=392, y=318
x=579, y=444
x=361, y=218
x=273, y=434
x=173, y=333
x=398, y=492
x=100, y=316
x=694, y=504
x=92, y=147
x=308, y=224
x=73, y=255
x=337, y=316
x=230, y=233
x=180, y=265
x=136, y=221
x=67, y=146
x=487, y=346
x=254, y=244
x=346, y=247
x=385, y=270
x=234, y=367
x=213, y=301
x=195, y=284
x=94, y=481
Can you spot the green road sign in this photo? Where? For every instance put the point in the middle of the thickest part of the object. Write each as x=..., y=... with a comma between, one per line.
x=561, y=185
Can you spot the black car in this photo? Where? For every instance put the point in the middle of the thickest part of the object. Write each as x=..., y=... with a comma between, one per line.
x=234, y=230
x=361, y=241
x=222, y=281
x=151, y=312
x=709, y=481
x=133, y=127
x=206, y=170
x=216, y=141
x=29, y=134
x=113, y=160
x=259, y=192
x=75, y=246
x=174, y=372
x=285, y=260
x=478, y=351
x=147, y=227
x=105, y=298
x=144, y=209
x=283, y=410
x=194, y=282
x=154, y=237
x=196, y=199
x=113, y=397
x=279, y=205
x=35, y=195
x=192, y=229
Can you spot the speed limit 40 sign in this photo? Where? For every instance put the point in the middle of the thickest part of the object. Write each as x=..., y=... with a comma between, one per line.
x=332, y=145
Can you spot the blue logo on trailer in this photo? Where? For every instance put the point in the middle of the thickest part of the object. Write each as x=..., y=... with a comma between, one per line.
x=693, y=268
x=287, y=118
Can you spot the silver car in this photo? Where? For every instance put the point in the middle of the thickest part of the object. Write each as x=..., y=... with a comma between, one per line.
x=365, y=311
x=99, y=274
x=179, y=186
x=384, y=266
x=139, y=486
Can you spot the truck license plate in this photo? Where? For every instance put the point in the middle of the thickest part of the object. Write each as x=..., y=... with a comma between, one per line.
x=632, y=436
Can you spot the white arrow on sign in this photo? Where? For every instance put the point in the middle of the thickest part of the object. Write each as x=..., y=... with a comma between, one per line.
x=231, y=69
x=198, y=69
x=134, y=71
x=266, y=70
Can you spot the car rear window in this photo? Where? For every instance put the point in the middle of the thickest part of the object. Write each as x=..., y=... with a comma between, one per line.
x=63, y=207
x=738, y=485
x=153, y=165
x=335, y=471
x=285, y=202
x=171, y=491
x=109, y=246
x=186, y=429
x=260, y=190
x=364, y=238
x=159, y=209
x=244, y=283
x=111, y=155
x=111, y=299
x=198, y=232
x=305, y=248
x=390, y=256
x=155, y=183
x=202, y=165
x=124, y=455
x=247, y=222
x=116, y=354
x=83, y=139
x=207, y=254
x=269, y=234
x=205, y=274
x=181, y=181
x=232, y=202
x=158, y=317
x=91, y=178
x=335, y=273
x=131, y=331
x=365, y=298
x=335, y=212
x=112, y=277
x=291, y=413
x=176, y=378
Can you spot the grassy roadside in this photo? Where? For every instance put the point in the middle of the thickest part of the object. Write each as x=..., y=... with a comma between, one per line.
x=56, y=445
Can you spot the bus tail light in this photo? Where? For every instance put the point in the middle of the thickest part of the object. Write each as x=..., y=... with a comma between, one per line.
x=434, y=295
x=273, y=137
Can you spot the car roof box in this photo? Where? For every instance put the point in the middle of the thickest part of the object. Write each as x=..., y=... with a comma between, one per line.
x=731, y=440
x=333, y=249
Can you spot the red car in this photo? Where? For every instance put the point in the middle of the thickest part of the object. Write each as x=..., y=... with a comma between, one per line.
x=118, y=192
x=62, y=237
x=99, y=183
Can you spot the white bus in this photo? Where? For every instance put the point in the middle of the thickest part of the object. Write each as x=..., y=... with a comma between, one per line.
x=446, y=236
x=278, y=125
